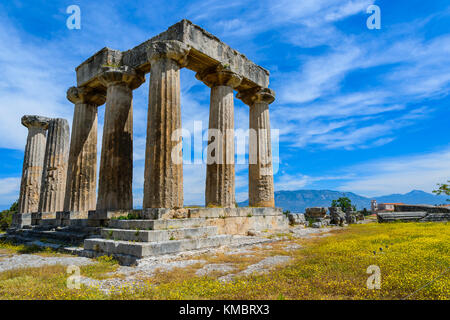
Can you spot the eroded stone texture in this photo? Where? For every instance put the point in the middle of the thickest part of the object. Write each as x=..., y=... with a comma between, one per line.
x=82, y=173
x=55, y=166
x=116, y=164
x=220, y=173
x=206, y=51
x=260, y=176
x=163, y=186
x=33, y=163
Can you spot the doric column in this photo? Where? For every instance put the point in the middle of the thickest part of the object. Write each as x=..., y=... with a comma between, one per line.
x=260, y=172
x=55, y=166
x=163, y=187
x=81, y=195
x=220, y=173
x=116, y=165
x=33, y=163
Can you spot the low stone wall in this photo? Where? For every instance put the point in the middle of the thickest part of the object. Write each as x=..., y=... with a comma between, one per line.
x=419, y=216
x=420, y=208
x=242, y=220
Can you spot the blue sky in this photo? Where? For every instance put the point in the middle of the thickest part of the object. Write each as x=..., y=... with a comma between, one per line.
x=358, y=110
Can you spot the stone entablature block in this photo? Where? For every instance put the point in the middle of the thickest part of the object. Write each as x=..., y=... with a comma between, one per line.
x=206, y=51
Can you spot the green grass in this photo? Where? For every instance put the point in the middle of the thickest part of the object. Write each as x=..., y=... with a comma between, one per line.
x=413, y=260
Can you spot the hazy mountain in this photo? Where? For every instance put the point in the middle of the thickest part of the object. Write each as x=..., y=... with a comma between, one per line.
x=297, y=201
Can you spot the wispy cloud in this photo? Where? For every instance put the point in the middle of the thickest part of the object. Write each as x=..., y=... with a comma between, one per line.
x=400, y=174
x=9, y=190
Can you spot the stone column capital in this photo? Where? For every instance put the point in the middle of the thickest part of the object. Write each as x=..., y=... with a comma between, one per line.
x=219, y=76
x=255, y=95
x=121, y=75
x=168, y=49
x=35, y=122
x=86, y=95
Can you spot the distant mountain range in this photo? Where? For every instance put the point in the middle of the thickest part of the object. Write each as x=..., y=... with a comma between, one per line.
x=299, y=200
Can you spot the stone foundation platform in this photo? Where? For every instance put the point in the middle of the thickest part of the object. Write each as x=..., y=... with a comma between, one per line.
x=166, y=231
x=134, y=234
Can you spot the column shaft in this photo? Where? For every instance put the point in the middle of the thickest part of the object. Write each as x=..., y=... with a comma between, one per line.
x=260, y=173
x=55, y=167
x=163, y=186
x=82, y=172
x=260, y=170
x=220, y=172
x=116, y=166
x=33, y=163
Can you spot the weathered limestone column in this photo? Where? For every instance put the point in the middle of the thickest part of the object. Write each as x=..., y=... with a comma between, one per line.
x=260, y=172
x=116, y=165
x=81, y=195
x=220, y=172
x=163, y=187
x=33, y=163
x=55, y=167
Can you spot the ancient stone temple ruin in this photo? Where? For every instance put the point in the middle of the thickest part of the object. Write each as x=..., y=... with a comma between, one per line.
x=58, y=192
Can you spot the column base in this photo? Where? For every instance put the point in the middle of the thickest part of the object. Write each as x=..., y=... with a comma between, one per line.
x=99, y=218
x=263, y=204
x=21, y=220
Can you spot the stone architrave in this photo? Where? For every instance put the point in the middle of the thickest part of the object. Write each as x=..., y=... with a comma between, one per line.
x=33, y=163
x=116, y=164
x=220, y=171
x=163, y=186
x=81, y=195
x=260, y=172
x=54, y=174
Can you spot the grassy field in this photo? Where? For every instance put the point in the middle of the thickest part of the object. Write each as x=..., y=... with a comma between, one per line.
x=413, y=258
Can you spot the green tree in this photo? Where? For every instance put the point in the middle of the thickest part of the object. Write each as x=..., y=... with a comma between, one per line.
x=6, y=216
x=444, y=188
x=344, y=203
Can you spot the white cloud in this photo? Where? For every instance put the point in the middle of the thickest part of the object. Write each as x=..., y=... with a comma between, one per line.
x=9, y=190
x=399, y=175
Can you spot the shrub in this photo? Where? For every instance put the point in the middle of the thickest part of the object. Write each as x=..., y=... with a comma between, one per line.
x=6, y=216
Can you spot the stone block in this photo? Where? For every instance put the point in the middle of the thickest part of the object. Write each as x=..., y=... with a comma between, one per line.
x=420, y=216
x=233, y=212
x=144, y=249
x=296, y=218
x=316, y=212
x=109, y=214
x=157, y=224
x=206, y=51
x=420, y=208
x=19, y=220
x=158, y=235
x=163, y=213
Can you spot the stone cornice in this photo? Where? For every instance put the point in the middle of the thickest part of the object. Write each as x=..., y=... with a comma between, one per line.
x=205, y=51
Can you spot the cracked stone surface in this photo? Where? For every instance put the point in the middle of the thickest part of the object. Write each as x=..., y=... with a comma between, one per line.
x=35, y=261
x=292, y=247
